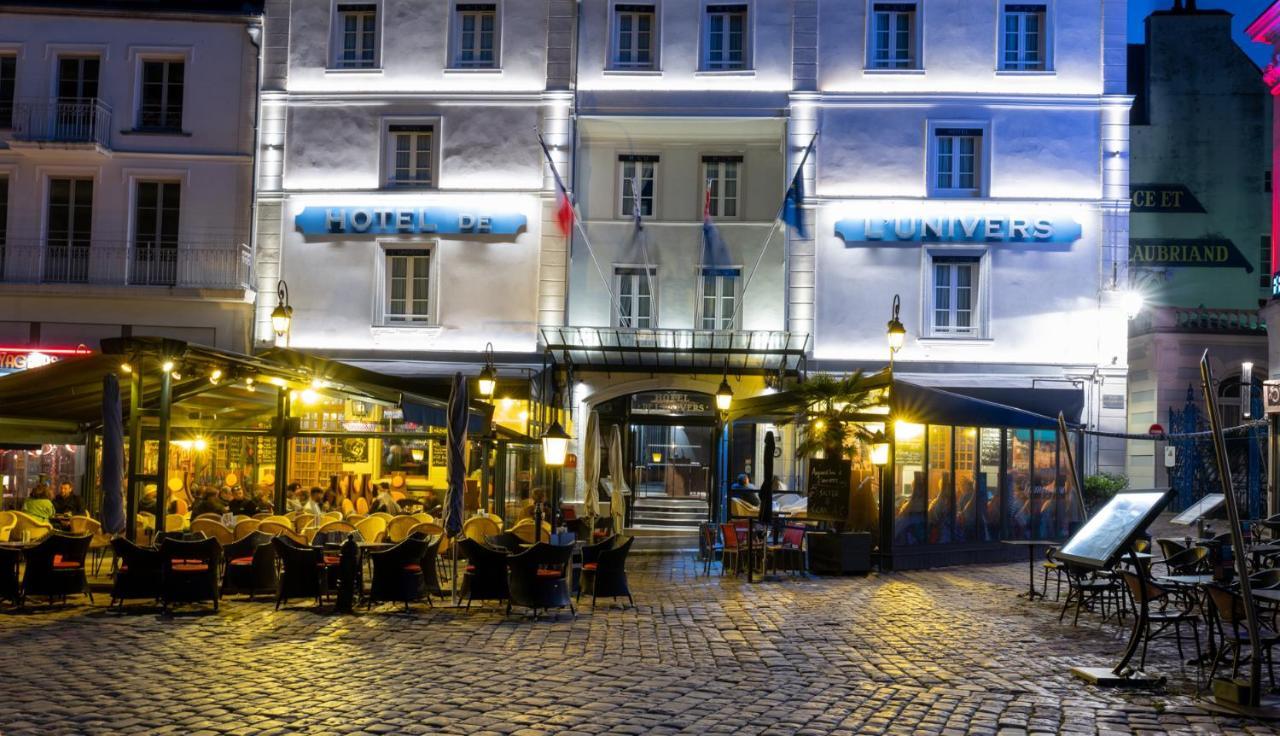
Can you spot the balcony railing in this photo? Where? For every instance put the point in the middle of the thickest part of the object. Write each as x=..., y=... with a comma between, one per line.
x=62, y=120
x=183, y=265
x=1198, y=320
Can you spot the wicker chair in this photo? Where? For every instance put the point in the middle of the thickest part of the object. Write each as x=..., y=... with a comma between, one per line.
x=525, y=531
x=250, y=565
x=276, y=529
x=28, y=528
x=485, y=577
x=538, y=578
x=10, y=583
x=189, y=571
x=56, y=567
x=8, y=520
x=302, y=573
x=137, y=572
x=101, y=540
x=245, y=527
x=398, y=528
x=214, y=529
x=397, y=573
x=480, y=528
x=372, y=528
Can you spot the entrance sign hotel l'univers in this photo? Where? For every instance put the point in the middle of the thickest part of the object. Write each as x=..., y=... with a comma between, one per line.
x=1017, y=228
x=375, y=220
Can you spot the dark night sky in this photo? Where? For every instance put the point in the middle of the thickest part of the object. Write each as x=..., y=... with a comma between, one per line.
x=1245, y=11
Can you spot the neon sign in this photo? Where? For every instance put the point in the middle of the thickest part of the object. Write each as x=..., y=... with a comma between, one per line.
x=406, y=221
x=14, y=359
x=960, y=229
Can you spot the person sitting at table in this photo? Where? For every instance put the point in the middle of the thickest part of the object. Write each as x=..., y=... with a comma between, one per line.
x=536, y=498
x=209, y=503
x=263, y=500
x=68, y=502
x=385, y=502
x=742, y=488
x=330, y=501
x=241, y=504
x=295, y=497
x=38, y=504
x=315, y=503
x=431, y=502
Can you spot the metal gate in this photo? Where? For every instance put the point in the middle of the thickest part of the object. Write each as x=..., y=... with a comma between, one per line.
x=1194, y=474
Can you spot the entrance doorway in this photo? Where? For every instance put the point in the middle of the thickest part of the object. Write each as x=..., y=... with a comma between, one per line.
x=671, y=460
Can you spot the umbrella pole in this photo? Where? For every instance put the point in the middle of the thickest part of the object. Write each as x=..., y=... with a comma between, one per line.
x=453, y=577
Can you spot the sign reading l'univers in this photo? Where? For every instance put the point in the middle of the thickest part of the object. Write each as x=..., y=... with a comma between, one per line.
x=376, y=220
x=1028, y=228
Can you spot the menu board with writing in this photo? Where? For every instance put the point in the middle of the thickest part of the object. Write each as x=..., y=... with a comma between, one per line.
x=829, y=489
x=439, y=453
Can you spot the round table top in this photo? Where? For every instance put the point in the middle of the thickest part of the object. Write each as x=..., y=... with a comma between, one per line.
x=1031, y=542
x=1267, y=595
x=1185, y=579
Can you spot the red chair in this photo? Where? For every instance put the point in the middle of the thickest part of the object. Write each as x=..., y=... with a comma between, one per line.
x=790, y=549
x=732, y=547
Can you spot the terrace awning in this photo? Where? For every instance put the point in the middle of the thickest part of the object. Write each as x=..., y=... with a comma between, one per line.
x=755, y=352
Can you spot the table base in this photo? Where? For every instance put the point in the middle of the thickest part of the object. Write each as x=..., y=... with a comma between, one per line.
x=1106, y=677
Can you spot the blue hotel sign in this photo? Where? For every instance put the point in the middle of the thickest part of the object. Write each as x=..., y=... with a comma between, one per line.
x=959, y=229
x=406, y=221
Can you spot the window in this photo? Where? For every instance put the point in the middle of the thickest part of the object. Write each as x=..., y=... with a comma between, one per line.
x=475, y=32
x=155, y=232
x=356, y=32
x=8, y=85
x=77, y=79
x=161, y=107
x=633, y=36
x=411, y=154
x=1264, y=262
x=635, y=297
x=69, y=230
x=408, y=288
x=955, y=296
x=1022, y=38
x=636, y=175
x=721, y=175
x=718, y=310
x=726, y=42
x=893, y=36
x=957, y=155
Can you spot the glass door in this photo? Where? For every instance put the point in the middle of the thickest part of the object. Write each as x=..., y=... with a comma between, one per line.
x=672, y=461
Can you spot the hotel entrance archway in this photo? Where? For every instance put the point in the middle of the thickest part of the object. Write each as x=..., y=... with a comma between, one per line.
x=668, y=437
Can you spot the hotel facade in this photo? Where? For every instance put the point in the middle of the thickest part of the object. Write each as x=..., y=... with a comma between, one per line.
x=968, y=159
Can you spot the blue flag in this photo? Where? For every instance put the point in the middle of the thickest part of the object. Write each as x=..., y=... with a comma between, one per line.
x=793, y=205
x=715, y=253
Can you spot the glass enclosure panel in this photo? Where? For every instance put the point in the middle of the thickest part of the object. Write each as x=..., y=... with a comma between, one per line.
x=909, y=482
x=966, y=484
x=988, y=482
x=941, y=514
x=1018, y=482
x=1070, y=511
x=671, y=461
x=1045, y=496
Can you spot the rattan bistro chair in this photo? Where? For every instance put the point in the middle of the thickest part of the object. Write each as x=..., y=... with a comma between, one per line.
x=137, y=573
x=538, y=578
x=397, y=573
x=302, y=573
x=606, y=575
x=56, y=567
x=250, y=565
x=189, y=571
x=485, y=576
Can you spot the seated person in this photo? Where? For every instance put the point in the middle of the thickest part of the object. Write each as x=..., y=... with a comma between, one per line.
x=38, y=505
x=315, y=504
x=743, y=489
x=241, y=504
x=536, y=497
x=68, y=502
x=385, y=502
x=295, y=497
x=209, y=504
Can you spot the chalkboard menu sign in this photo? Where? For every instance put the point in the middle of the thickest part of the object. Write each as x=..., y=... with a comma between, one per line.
x=829, y=489
x=439, y=453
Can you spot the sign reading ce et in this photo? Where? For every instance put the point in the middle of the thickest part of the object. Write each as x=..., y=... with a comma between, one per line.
x=406, y=221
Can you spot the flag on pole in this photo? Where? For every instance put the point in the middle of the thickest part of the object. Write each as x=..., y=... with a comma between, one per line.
x=636, y=200
x=715, y=253
x=793, y=205
x=564, y=209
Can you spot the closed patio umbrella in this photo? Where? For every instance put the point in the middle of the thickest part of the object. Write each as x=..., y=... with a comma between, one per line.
x=766, y=481
x=591, y=471
x=617, y=497
x=459, y=412
x=113, y=517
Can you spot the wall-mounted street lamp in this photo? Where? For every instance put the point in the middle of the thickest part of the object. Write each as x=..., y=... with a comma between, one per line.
x=895, y=332
x=555, y=448
x=724, y=394
x=488, y=380
x=282, y=315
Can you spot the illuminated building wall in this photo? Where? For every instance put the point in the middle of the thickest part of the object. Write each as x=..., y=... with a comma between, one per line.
x=126, y=173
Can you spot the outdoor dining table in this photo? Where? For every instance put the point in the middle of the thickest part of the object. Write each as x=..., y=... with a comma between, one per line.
x=1258, y=551
x=1031, y=545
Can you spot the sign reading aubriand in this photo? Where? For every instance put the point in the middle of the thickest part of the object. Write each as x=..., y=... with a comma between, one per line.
x=375, y=220
x=1187, y=252
x=960, y=229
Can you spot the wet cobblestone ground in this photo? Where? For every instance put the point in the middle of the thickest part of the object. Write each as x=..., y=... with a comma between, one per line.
x=949, y=651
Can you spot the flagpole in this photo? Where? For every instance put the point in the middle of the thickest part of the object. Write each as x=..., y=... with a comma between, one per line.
x=769, y=238
x=577, y=221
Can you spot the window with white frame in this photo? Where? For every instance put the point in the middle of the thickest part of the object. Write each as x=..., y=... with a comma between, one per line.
x=156, y=211
x=8, y=86
x=957, y=161
x=411, y=155
x=1022, y=37
x=719, y=298
x=160, y=101
x=722, y=175
x=634, y=36
x=475, y=35
x=356, y=36
x=637, y=181
x=954, y=294
x=637, y=307
x=893, y=31
x=726, y=30
x=408, y=286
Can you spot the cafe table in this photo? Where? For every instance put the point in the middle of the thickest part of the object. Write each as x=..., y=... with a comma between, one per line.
x=1031, y=545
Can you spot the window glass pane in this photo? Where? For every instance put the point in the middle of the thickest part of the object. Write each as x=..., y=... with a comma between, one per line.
x=909, y=484
x=941, y=515
x=1045, y=496
x=1018, y=483
x=965, y=529
x=988, y=484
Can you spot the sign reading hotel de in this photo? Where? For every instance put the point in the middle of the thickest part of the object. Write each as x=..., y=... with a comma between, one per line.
x=959, y=229
x=375, y=220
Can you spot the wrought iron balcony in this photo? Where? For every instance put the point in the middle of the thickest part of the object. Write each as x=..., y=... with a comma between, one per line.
x=67, y=121
x=1198, y=320
x=182, y=265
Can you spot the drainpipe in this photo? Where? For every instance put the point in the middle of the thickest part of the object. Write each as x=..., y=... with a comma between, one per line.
x=255, y=31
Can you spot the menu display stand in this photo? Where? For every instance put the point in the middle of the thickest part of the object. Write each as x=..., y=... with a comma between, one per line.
x=1100, y=544
x=1196, y=512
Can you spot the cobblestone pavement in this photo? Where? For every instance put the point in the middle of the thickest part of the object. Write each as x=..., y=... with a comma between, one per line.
x=949, y=651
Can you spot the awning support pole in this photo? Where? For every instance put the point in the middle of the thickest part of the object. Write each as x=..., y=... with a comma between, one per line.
x=135, y=453
x=282, y=447
x=162, y=462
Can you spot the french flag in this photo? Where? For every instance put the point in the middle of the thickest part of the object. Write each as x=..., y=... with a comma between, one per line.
x=564, y=209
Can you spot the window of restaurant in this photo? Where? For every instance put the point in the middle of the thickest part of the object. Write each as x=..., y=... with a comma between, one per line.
x=1018, y=482
x=968, y=506
x=990, y=446
x=940, y=515
x=1046, y=500
x=909, y=481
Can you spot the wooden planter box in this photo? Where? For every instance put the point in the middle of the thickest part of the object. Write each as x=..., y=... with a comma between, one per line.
x=839, y=554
